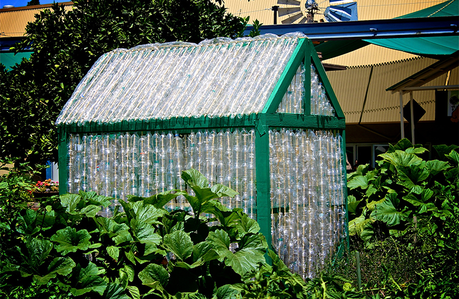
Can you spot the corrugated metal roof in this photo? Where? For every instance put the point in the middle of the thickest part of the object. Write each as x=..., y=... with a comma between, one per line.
x=382, y=106
x=161, y=81
x=13, y=21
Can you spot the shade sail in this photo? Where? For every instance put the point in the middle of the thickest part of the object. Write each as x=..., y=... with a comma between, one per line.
x=426, y=46
x=9, y=59
x=220, y=77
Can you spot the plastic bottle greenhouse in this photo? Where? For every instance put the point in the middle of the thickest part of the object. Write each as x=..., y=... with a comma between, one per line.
x=256, y=114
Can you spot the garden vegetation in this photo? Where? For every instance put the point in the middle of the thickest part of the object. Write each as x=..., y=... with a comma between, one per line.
x=404, y=240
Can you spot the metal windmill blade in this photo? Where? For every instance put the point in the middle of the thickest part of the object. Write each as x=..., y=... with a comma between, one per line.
x=341, y=12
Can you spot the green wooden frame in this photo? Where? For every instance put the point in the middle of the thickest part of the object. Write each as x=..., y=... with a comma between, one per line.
x=262, y=122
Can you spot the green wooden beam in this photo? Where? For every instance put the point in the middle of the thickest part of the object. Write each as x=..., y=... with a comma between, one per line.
x=263, y=184
x=173, y=124
x=307, y=79
x=304, y=122
x=286, y=77
x=324, y=79
x=63, y=160
x=186, y=125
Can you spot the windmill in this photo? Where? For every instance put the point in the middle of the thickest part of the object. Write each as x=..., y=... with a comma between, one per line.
x=303, y=11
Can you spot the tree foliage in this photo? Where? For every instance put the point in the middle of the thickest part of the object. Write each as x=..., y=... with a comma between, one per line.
x=66, y=43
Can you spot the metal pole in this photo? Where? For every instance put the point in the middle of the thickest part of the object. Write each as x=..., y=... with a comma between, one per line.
x=359, y=275
x=402, y=126
x=412, y=117
x=275, y=8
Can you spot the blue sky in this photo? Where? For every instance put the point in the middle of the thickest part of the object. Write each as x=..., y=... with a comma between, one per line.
x=18, y=3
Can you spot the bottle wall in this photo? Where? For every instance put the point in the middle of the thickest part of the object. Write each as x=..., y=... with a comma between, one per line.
x=118, y=165
x=293, y=100
x=320, y=103
x=306, y=178
x=307, y=197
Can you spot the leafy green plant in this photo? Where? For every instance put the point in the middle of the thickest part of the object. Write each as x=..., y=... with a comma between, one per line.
x=15, y=192
x=143, y=251
x=404, y=221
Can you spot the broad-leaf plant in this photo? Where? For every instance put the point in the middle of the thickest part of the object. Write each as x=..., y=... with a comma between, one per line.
x=145, y=250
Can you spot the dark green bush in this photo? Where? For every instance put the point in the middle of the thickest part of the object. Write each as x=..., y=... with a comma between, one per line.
x=404, y=222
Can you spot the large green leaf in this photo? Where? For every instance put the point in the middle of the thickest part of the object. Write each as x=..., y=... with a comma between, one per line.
x=401, y=158
x=70, y=240
x=435, y=166
x=358, y=182
x=402, y=144
x=227, y=217
x=179, y=243
x=90, y=210
x=416, y=150
x=113, y=252
x=116, y=291
x=222, y=190
x=387, y=213
x=70, y=202
x=144, y=232
x=357, y=225
x=352, y=204
x=443, y=150
x=246, y=259
x=371, y=205
x=59, y=265
x=147, y=213
x=204, y=251
x=219, y=240
x=247, y=226
x=127, y=273
x=227, y=292
x=38, y=251
x=154, y=274
x=454, y=156
x=88, y=280
x=157, y=200
x=27, y=224
x=134, y=292
x=92, y=198
x=194, y=178
x=423, y=202
x=111, y=227
x=412, y=175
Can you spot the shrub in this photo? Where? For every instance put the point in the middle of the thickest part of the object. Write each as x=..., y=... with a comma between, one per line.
x=65, y=249
x=404, y=221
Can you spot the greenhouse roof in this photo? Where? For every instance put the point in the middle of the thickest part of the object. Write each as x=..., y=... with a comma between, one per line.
x=215, y=78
